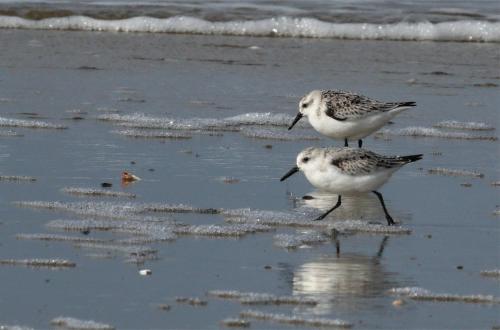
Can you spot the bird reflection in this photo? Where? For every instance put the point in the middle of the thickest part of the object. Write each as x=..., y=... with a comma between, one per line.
x=337, y=282
x=365, y=206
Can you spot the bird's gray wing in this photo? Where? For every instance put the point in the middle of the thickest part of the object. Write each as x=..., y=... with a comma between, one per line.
x=355, y=162
x=342, y=105
x=361, y=162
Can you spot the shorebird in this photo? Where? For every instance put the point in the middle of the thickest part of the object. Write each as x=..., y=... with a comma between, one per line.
x=348, y=116
x=348, y=171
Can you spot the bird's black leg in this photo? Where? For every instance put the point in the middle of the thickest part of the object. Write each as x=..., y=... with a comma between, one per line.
x=387, y=216
x=360, y=143
x=345, y=143
x=382, y=246
x=321, y=217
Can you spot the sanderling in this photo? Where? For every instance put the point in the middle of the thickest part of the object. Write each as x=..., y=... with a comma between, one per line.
x=348, y=171
x=345, y=115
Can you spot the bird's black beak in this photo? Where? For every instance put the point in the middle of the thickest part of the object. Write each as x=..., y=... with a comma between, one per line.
x=294, y=170
x=297, y=118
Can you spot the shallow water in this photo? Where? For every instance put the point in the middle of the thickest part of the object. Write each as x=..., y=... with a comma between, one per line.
x=48, y=77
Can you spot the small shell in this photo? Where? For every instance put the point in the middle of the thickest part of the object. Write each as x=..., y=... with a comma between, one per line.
x=145, y=272
x=398, y=303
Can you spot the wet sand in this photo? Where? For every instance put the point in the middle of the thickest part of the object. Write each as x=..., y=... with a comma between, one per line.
x=71, y=79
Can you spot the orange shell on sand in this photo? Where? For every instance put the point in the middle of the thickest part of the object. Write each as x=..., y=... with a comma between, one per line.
x=129, y=177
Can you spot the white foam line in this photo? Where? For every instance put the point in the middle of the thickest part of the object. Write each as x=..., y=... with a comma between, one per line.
x=122, y=210
x=291, y=241
x=417, y=293
x=417, y=131
x=77, y=324
x=14, y=327
x=217, y=230
x=9, y=122
x=272, y=218
x=491, y=273
x=295, y=320
x=147, y=134
x=194, y=301
x=455, y=172
x=273, y=134
x=95, y=192
x=6, y=133
x=358, y=226
x=253, y=298
x=473, y=126
x=235, y=323
x=141, y=120
x=52, y=263
x=61, y=238
x=134, y=251
x=19, y=178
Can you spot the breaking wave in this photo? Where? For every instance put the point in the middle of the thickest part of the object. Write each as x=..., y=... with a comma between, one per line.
x=464, y=30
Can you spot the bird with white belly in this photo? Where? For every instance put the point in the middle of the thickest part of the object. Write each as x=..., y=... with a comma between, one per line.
x=347, y=116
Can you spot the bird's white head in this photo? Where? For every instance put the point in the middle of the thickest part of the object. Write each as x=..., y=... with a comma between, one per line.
x=310, y=102
x=307, y=105
x=308, y=158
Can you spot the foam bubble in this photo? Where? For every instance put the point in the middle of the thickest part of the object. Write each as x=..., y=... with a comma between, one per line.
x=49, y=263
x=474, y=126
x=417, y=293
x=464, y=30
x=454, y=172
x=95, y=192
x=432, y=132
x=9, y=122
x=295, y=320
x=77, y=324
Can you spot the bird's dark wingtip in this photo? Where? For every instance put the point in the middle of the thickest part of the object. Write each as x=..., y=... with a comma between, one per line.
x=412, y=158
x=408, y=104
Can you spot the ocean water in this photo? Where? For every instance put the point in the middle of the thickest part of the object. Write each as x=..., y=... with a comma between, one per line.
x=202, y=119
x=450, y=20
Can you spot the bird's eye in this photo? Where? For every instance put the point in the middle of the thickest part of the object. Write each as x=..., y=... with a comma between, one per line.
x=305, y=159
x=305, y=105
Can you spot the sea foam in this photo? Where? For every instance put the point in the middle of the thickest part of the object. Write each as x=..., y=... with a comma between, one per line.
x=464, y=30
